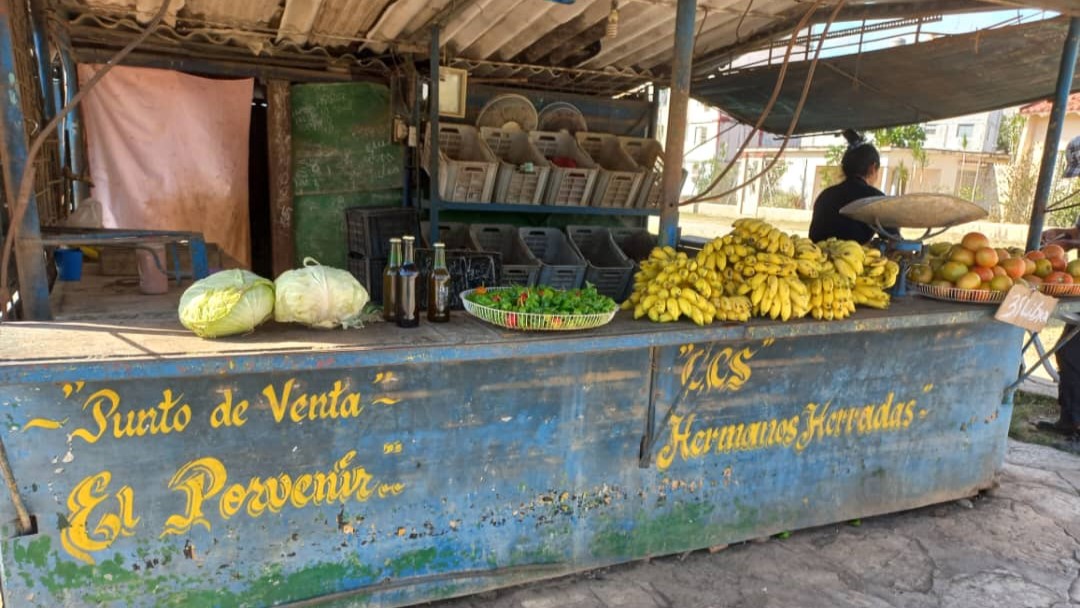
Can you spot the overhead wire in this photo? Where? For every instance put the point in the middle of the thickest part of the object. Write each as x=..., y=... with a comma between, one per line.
x=769, y=105
x=791, y=127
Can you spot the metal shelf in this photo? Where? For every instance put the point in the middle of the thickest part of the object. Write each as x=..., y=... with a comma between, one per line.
x=505, y=207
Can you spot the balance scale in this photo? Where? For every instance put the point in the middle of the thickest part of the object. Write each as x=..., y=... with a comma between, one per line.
x=933, y=213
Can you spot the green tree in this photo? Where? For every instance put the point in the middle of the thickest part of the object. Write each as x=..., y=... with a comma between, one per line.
x=707, y=172
x=1009, y=132
x=912, y=137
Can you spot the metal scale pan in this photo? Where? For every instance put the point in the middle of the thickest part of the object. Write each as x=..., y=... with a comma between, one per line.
x=917, y=210
x=935, y=213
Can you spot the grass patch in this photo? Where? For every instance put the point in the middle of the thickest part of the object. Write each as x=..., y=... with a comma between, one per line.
x=1028, y=409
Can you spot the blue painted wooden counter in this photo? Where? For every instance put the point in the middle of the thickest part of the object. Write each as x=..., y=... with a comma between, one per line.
x=383, y=467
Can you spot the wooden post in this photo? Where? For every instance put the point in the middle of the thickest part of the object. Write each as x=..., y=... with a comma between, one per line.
x=279, y=135
x=678, y=105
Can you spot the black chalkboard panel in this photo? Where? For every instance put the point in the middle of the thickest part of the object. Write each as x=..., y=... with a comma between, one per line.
x=468, y=270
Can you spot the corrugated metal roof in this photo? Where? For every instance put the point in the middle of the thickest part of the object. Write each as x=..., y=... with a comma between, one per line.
x=523, y=31
x=538, y=43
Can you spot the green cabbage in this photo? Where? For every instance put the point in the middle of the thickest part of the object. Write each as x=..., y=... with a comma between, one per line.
x=319, y=296
x=226, y=303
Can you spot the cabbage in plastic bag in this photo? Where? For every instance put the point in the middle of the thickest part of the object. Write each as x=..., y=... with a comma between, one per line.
x=319, y=296
x=227, y=303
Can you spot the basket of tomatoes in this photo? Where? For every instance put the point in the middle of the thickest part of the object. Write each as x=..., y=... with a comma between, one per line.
x=540, y=308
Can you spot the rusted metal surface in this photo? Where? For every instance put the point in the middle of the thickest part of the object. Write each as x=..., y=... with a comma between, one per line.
x=390, y=483
x=279, y=127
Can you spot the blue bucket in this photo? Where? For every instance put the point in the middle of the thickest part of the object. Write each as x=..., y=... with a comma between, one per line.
x=69, y=262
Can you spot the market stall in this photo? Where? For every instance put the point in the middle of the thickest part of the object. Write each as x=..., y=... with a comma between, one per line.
x=384, y=466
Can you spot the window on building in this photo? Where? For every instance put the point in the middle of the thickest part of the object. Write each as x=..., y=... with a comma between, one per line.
x=700, y=133
x=965, y=133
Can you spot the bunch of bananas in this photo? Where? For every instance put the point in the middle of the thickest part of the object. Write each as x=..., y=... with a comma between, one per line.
x=781, y=297
x=831, y=297
x=846, y=257
x=810, y=260
x=757, y=270
x=879, y=274
x=671, y=285
x=764, y=237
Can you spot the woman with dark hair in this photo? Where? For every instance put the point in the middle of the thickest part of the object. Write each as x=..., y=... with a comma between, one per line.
x=861, y=164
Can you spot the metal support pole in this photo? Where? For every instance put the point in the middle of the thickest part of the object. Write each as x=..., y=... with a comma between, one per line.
x=433, y=139
x=72, y=123
x=654, y=109
x=40, y=37
x=678, y=106
x=1053, y=133
x=29, y=256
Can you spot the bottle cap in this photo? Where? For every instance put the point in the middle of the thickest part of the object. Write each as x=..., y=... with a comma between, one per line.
x=440, y=244
x=395, y=240
x=408, y=238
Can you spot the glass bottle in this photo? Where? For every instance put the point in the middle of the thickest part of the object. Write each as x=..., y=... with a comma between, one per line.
x=408, y=312
x=390, y=281
x=439, y=288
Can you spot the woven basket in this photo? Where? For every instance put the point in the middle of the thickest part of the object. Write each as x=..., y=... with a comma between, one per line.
x=955, y=294
x=1059, y=290
x=530, y=321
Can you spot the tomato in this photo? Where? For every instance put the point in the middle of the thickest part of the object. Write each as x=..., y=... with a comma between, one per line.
x=511, y=320
x=556, y=322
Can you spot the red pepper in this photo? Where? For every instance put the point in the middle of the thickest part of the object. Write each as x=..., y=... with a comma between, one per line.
x=556, y=322
x=511, y=320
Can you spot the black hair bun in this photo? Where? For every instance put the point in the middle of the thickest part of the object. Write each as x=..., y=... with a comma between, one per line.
x=854, y=138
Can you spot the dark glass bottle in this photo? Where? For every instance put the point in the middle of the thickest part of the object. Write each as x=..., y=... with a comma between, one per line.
x=438, y=310
x=389, y=284
x=408, y=310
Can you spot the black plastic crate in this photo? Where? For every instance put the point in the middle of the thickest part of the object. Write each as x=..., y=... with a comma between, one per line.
x=370, y=229
x=370, y=274
x=561, y=266
x=608, y=267
x=636, y=243
x=519, y=265
x=468, y=270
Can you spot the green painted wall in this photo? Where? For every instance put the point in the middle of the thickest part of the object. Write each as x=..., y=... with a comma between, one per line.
x=342, y=157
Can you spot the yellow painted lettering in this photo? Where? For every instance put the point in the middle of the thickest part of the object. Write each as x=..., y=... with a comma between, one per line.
x=232, y=499
x=227, y=413
x=352, y=407
x=680, y=433
x=740, y=369
x=279, y=404
x=298, y=409
x=277, y=492
x=909, y=413
x=301, y=487
x=198, y=480
x=81, y=538
x=102, y=404
x=815, y=422
x=715, y=380
x=256, y=497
